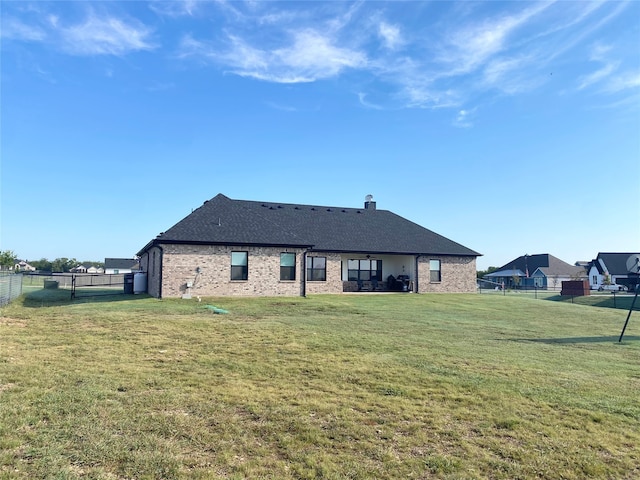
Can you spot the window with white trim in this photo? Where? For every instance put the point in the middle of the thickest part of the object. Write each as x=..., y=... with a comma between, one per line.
x=287, y=266
x=239, y=265
x=434, y=271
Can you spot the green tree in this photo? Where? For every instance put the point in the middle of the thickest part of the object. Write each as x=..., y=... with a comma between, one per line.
x=7, y=259
x=482, y=273
x=63, y=264
x=42, y=265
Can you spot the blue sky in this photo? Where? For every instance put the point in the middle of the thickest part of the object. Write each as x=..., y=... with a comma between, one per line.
x=509, y=127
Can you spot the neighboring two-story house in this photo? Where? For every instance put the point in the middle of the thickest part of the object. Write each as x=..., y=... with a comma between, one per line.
x=610, y=269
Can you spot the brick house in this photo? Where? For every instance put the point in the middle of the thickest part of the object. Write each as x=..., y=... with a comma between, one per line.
x=240, y=247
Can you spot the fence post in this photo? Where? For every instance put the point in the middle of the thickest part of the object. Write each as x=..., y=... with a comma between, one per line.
x=614, y=299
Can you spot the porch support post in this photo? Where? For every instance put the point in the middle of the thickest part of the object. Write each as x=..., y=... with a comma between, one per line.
x=303, y=275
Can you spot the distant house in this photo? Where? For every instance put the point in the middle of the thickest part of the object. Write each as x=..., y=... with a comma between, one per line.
x=241, y=247
x=23, y=266
x=120, y=265
x=87, y=268
x=541, y=271
x=610, y=269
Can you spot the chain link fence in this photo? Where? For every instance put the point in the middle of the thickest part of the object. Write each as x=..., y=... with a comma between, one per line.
x=78, y=284
x=10, y=287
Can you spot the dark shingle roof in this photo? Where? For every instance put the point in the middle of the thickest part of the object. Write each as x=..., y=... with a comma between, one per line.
x=616, y=263
x=123, y=263
x=548, y=264
x=222, y=220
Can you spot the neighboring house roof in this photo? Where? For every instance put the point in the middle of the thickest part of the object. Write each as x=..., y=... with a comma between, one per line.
x=547, y=264
x=23, y=265
x=506, y=273
x=599, y=266
x=120, y=263
x=614, y=263
x=223, y=221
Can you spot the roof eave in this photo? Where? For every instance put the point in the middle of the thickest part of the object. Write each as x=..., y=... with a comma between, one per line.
x=159, y=241
x=380, y=252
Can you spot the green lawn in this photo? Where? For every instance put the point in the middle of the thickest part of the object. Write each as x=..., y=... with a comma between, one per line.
x=345, y=386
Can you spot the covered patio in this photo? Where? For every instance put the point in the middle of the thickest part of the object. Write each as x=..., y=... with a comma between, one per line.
x=378, y=273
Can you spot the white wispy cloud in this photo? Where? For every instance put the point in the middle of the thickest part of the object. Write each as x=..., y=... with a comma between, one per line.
x=390, y=35
x=14, y=29
x=512, y=75
x=278, y=18
x=175, y=8
x=344, y=19
x=98, y=33
x=317, y=56
x=464, y=118
x=597, y=76
x=105, y=36
x=309, y=56
x=472, y=49
x=625, y=81
x=497, y=70
x=420, y=95
x=580, y=26
x=366, y=103
x=470, y=46
x=193, y=8
x=608, y=78
x=281, y=107
x=472, y=55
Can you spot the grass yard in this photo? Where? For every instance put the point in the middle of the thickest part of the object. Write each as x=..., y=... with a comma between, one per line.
x=346, y=386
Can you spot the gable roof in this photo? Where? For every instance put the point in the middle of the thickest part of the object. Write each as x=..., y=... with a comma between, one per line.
x=223, y=221
x=505, y=273
x=545, y=263
x=598, y=265
x=615, y=263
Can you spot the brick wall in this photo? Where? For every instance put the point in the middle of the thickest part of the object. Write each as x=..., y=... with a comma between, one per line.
x=458, y=275
x=333, y=284
x=208, y=269
x=150, y=263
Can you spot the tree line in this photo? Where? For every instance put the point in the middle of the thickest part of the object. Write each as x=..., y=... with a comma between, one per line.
x=8, y=259
x=482, y=273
